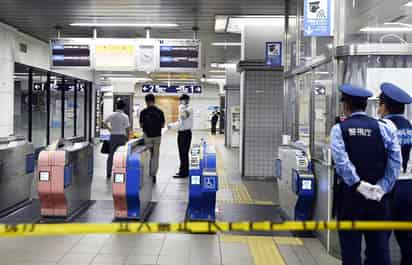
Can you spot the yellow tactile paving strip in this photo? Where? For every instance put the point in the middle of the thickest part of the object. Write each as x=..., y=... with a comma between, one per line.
x=239, y=191
x=291, y=241
x=264, y=250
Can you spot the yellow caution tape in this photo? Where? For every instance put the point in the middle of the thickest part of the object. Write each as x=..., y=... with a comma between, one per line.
x=194, y=227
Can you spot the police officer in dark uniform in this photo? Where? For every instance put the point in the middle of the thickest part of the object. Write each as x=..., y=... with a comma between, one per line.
x=392, y=103
x=367, y=160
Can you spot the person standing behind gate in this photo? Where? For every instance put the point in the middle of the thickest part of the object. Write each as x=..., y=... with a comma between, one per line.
x=367, y=159
x=184, y=126
x=119, y=125
x=214, y=120
x=392, y=103
x=152, y=121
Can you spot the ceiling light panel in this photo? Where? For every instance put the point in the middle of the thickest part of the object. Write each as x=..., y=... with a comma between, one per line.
x=126, y=25
x=386, y=29
x=225, y=44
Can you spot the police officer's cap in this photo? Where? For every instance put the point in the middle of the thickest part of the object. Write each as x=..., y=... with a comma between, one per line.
x=396, y=93
x=184, y=97
x=354, y=91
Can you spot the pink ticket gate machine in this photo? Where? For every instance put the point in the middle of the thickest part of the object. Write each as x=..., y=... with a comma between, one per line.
x=65, y=172
x=132, y=183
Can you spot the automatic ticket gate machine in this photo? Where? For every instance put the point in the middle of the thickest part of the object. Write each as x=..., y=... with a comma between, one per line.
x=132, y=183
x=16, y=173
x=203, y=183
x=65, y=172
x=297, y=187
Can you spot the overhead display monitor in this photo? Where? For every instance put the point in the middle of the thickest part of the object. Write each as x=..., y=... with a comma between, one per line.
x=70, y=53
x=112, y=55
x=179, y=55
x=190, y=89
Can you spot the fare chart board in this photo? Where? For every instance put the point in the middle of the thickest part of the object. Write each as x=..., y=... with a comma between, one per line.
x=70, y=53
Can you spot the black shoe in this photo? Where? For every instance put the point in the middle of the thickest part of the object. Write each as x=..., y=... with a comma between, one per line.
x=179, y=176
x=154, y=179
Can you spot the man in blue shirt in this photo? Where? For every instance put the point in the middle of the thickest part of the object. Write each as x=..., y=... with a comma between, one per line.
x=367, y=159
x=392, y=103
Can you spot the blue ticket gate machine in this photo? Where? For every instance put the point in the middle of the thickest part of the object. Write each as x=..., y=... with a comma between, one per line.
x=203, y=183
x=303, y=184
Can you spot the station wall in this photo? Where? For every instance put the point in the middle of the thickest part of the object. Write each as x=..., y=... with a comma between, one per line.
x=18, y=47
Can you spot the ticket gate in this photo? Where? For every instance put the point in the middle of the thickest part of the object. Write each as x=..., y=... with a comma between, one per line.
x=16, y=173
x=296, y=182
x=65, y=172
x=132, y=183
x=203, y=183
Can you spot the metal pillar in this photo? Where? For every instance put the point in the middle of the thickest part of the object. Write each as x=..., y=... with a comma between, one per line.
x=76, y=86
x=90, y=110
x=62, y=99
x=48, y=109
x=85, y=110
x=30, y=103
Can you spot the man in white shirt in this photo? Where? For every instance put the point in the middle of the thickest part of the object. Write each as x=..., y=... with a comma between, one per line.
x=184, y=126
x=119, y=125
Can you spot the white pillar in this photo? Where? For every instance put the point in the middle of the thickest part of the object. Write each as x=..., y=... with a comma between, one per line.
x=6, y=84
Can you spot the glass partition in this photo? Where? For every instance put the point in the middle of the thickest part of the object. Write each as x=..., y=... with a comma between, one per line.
x=368, y=20
x=21, y=103
x=55, y=109
x=39, y=107
x=69, y=107
x=80, y=109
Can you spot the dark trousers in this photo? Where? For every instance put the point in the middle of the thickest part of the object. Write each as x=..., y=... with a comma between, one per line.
x=115, y=141
x=184, y=140
x=402, y=211
x=354, y=206
x=213, y=129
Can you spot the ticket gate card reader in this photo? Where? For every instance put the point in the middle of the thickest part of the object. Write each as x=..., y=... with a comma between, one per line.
x=132, y=184
x=203, y=184
x=303, y=185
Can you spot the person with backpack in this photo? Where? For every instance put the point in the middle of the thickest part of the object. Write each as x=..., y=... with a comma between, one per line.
x=152, y=121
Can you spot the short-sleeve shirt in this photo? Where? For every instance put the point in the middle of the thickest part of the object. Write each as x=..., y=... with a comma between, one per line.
x=119, y=122
x=153, y=120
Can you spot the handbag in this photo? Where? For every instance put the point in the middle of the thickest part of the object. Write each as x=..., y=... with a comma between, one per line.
x=105, y=147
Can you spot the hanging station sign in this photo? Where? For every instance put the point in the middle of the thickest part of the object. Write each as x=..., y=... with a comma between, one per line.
x=70, y=53
x=146, y=55
x=318, y=20
x=150, y=88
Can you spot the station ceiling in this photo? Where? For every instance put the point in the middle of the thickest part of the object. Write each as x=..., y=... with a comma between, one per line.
x=39, y=17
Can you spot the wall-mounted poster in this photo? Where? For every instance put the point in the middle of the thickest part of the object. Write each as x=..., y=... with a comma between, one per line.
x=274, y=53
x=317, y=21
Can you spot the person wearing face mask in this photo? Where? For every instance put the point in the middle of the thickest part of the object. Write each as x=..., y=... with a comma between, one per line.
x=367, y=160
x=184, y=126
x=392, y=103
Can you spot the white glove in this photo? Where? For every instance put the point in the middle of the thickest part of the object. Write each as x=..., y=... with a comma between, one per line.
x=378, y=193
x=366, y=189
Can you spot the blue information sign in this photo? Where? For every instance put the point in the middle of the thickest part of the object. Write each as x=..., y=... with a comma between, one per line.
x=274, y=53
x=194, y=89
x=317, y=18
